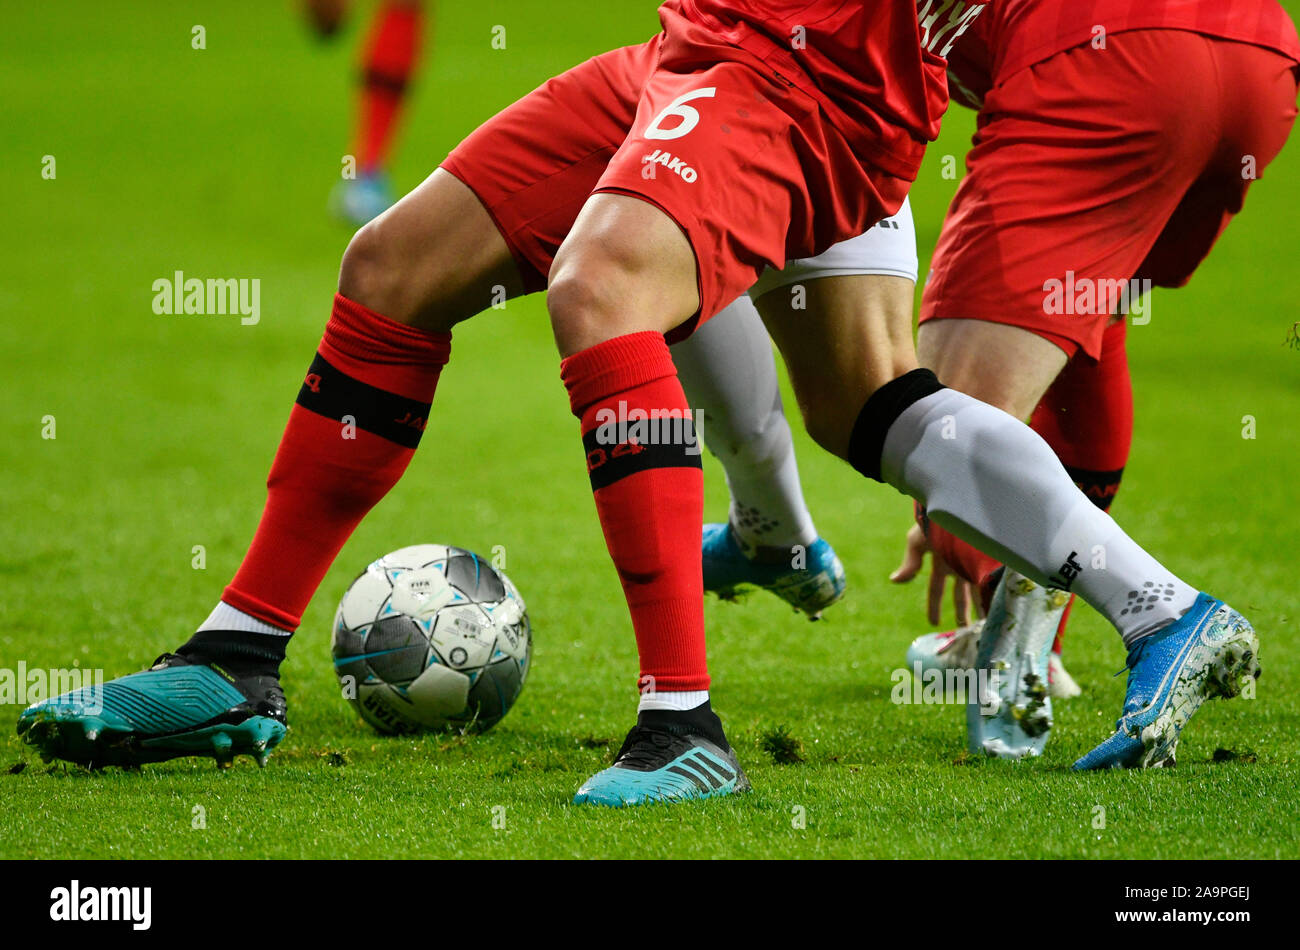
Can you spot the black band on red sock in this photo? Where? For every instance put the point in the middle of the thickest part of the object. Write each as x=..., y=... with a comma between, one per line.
x=331, y=393
x=671, y=444
x=388, y=82
x=1100, y=487
x=882, y=409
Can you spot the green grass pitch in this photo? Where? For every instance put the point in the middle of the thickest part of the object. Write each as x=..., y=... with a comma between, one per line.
x=218, y=162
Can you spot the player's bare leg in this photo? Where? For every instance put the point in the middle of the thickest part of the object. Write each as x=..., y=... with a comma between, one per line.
x=852, y=336
x=990, y=480
x=1004, y=366
x=624, y=277
x=432, y=260
x=626, y=267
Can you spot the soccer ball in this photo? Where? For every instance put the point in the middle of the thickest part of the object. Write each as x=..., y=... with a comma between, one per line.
x=431, y=638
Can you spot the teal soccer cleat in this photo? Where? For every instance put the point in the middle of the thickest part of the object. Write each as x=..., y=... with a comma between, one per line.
x=667, y=758
x=811, y=587
x=356, y=201
x=175, y=708
x=1210, y=651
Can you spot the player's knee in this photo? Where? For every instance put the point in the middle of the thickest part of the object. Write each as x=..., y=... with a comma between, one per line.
x=613, y=277
x=582, y=313
x=370, y=275
x=592, y=297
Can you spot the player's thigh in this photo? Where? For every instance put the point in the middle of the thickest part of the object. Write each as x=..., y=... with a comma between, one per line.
x=846, y=337
x=433, y=259
x=626, y=267
x=726, y=365
x=486, y=225
x=648, y=251
x=535, y=163
x=1003, y=365
x=864, y=324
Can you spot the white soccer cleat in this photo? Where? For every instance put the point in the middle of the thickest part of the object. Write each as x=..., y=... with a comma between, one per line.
x=950, y=650
x=1009, y=715
x=1060, y=684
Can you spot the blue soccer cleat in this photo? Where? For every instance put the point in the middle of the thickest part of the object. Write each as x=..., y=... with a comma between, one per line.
x=175, y=708
x=1210, y=651
x=665, y=758
x=811, y=587
x=358, y=200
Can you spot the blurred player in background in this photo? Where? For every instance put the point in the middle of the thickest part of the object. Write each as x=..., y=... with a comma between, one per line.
x=390, y=55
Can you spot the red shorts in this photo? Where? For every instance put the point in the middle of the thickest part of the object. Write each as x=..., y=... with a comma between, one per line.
x=745, y=163
x=1093, y=169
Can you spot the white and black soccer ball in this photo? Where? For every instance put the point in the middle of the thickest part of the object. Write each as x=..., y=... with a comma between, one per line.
x=432, y=638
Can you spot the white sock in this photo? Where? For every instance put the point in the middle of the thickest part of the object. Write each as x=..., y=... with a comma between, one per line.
x=728, y=371
x=226, y=617
x=992, y=481
x=681, y=702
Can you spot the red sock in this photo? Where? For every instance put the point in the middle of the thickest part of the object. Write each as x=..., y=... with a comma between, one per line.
x=650, y=498
x=1086, y=416
x=358, y=418
x=391, y=51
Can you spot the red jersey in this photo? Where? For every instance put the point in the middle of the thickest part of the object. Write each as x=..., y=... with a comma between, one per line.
x=1013, y=34
x=877, y=68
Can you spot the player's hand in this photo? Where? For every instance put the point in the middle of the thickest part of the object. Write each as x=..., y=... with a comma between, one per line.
x=965, y=599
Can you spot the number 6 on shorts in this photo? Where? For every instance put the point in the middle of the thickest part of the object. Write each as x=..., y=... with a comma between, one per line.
x=678, y=107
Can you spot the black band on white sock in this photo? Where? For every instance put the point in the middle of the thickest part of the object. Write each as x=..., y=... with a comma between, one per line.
x=882, y=409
